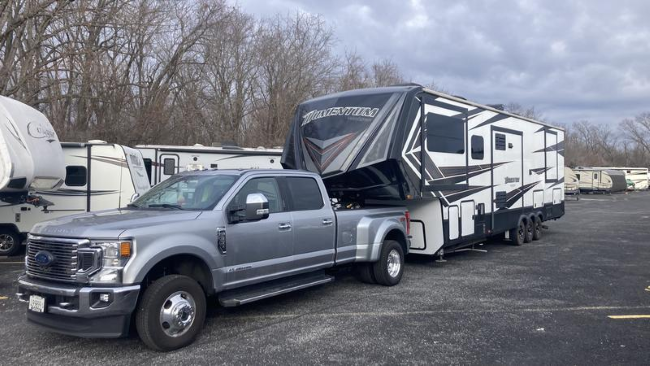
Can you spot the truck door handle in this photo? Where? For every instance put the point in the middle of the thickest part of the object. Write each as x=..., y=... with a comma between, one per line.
x=327, y=222
x=284, y=227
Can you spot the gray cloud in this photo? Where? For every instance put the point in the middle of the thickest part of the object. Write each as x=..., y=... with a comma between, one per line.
x=573, y=60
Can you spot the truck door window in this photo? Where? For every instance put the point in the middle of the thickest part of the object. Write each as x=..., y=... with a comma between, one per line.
x=266, y=186
x=305, y=194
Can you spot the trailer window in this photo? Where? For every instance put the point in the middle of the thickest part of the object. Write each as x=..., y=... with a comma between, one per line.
x=445, y=134
x=75, y=176
x=578, y=176
x=169, y=166
x=477, y=147
x=147, y=167
x=305, y=194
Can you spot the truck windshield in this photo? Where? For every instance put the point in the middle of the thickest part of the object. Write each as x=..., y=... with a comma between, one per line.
x=186, y=192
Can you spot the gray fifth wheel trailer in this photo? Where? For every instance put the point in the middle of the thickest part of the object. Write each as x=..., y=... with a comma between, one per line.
x=465, y=171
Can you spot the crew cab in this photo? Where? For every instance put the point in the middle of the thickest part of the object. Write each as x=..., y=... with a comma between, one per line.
x=238, y=235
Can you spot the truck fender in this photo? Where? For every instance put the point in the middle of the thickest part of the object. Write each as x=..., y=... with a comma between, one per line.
x=375, y=246
x=136, y=270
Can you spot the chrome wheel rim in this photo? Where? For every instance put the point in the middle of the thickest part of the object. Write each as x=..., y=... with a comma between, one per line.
x=394, y=263
x=6, y=242
x=177, y=314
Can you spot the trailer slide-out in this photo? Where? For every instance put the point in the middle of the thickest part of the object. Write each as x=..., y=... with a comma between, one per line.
x=465, y=171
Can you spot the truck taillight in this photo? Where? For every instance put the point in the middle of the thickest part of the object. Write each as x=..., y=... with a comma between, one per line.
x=407, y=216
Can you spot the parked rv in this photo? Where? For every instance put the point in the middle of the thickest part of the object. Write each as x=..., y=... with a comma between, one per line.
x=243, y=235
x=163, y=161
x=571, y=183
x=637, y=177
x=597, y=180
x=98, y=176
x=465, y=171
x=30, y=159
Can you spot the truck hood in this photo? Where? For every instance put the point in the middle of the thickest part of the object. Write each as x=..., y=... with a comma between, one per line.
x=110, y=223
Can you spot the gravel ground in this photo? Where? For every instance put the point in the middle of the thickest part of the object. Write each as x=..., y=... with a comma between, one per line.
x=547, y=302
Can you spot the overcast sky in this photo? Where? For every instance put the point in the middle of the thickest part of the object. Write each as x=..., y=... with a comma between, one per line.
x=572, y=60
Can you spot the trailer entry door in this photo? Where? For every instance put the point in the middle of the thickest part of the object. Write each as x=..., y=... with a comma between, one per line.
x=507, y=172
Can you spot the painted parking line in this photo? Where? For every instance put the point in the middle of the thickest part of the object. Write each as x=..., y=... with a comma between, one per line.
x=3, y=297
x=629, y=316
x=647, y=288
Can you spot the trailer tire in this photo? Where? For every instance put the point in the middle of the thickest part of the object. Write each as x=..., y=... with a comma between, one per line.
x=10, y=242
x=530, y=230
x=388, y=270
x=171, y=313
x=518, y=234
x=537, y=231
x=364, y=272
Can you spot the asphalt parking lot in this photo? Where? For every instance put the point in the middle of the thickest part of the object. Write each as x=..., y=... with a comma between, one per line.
x=548, y=302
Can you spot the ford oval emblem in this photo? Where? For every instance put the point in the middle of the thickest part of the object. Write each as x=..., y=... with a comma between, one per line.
x=44, y=258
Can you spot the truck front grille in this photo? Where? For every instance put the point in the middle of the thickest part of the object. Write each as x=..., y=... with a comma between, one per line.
x=58, y=258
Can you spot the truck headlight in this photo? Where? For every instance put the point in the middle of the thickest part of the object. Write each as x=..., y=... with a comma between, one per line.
x=115, y=255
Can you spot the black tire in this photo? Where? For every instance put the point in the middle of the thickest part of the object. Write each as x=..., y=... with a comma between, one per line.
x=385, y=274
x=10, y=242
x=149, y=318
x=364, y=273
x=530, y=231
x=518, y=234
x=537, y=230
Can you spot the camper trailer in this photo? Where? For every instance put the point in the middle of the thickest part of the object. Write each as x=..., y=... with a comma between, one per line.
x=637, y=178
x=465, y=171
x=98, y=176
x=571, y=183
x=31, y=159
x=163, y=161
x=598, y=180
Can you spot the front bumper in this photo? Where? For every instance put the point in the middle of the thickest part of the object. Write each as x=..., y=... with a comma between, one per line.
x=78, y=311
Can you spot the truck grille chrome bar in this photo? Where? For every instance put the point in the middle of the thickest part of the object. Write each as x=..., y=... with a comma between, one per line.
x=53, y=258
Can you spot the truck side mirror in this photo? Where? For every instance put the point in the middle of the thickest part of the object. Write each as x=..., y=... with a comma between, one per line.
x=257, y=207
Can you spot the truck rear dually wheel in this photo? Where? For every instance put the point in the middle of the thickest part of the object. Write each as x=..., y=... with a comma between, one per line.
x=389, y=268
x=171, y=313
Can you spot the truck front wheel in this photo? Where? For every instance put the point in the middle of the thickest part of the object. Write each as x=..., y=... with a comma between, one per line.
x=390, y=267
x=171, y=313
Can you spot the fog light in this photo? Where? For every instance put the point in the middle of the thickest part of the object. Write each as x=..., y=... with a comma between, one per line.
x=104, y=297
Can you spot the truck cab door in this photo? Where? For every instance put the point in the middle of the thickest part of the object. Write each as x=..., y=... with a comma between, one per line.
x=314, y=230
x=259, y=249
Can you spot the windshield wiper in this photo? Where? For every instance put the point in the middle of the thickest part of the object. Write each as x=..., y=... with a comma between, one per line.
x=166, y=205
x=132, y=205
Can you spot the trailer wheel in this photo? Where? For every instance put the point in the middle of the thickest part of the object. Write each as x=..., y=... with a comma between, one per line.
x=171, y=313
x=537, y=222
x=10, y=242
x=389, y=268
x=364, y=272
x=530, y=231
x=518, y=234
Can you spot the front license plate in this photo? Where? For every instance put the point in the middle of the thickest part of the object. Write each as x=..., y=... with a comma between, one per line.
x=37, y=304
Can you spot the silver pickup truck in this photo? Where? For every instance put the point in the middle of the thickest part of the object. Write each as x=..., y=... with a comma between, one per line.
x=238, y=235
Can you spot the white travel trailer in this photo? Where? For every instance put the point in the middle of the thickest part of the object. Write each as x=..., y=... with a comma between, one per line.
x=571, y=183
x=163, y=161
x=98, y=176
x=30, y=159
x=598, y=180
x=637, y=176
x=466, y=171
